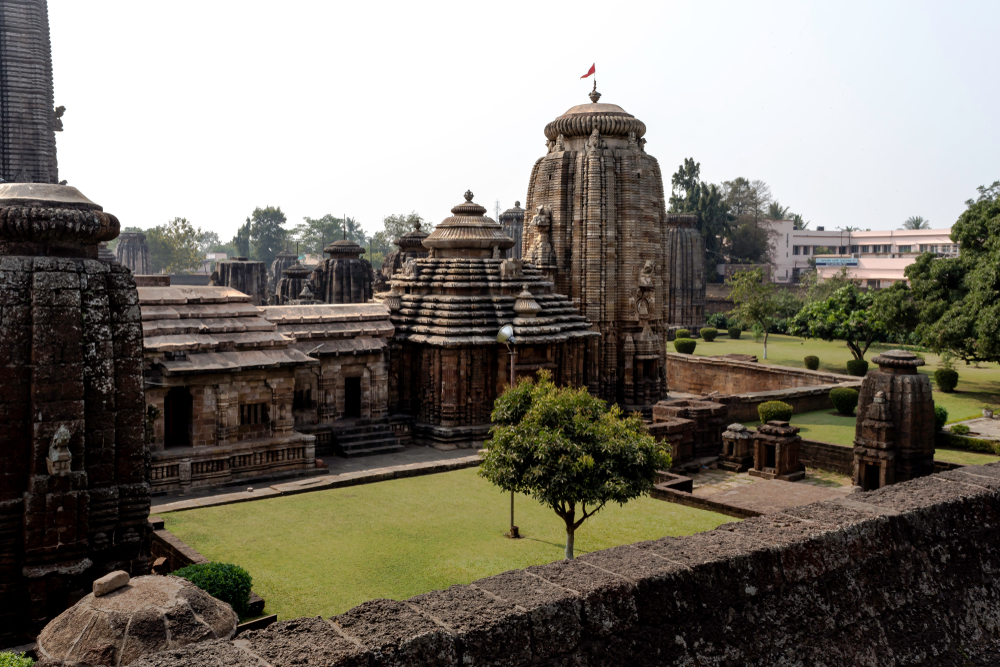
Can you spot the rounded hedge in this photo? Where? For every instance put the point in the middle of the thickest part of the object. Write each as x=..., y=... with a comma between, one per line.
x=946, y=379
x=735, y=332
x=960, y=429
x=812, y=363
x=685, y=345
x=682, y=333
x=844, y=399
x=857, y=367
x=709, y=334
x=223, y=581
x=774, y=410
x=940, y=417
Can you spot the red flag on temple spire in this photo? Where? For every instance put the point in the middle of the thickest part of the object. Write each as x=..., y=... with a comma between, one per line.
x=592, y=70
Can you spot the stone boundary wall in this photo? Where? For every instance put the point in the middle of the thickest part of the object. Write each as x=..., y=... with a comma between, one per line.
x=825, y=455
x=903, y=575
x=693, y=374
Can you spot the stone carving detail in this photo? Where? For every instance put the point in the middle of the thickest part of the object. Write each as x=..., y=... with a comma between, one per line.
x=560, y=143
x=541, y=250
x=510, y=269
x=633, y=144
x=59, y=459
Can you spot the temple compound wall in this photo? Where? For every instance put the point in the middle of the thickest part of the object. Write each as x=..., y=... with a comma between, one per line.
x=599, y=230
x=900, y=576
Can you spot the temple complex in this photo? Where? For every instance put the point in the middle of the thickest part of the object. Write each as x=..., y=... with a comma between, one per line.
x=289, y=287
x=410, y=246
x=894, y=433
x=600, y=231
x=344, y=277
x=447, y=367
x=133, y=252
x=512, y=221
x=73, y=494
x=28, y=120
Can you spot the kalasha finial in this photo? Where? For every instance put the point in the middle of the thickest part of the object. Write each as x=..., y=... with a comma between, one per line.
x=468, y=195
x=416, y=225
x=594, y=95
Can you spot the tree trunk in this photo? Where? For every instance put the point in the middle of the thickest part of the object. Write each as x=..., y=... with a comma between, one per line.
x=765, y=343
x=570, y=530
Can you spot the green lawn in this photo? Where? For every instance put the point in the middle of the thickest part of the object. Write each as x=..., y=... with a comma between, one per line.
x=976, y=386
x=327, y=551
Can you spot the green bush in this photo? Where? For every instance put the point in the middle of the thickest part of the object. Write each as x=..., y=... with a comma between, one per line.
x=682, y=333
x=229, y=583
x=8, y=659
x=774, y=410
x=735, y=333
x=844, y=399
x=946, y=379
x=685, y=345
x=857, y=367
x=812, y=363
x=709, y=334
x=948, y=440
x=940, y=417
x=717, y=320
x=960, y=429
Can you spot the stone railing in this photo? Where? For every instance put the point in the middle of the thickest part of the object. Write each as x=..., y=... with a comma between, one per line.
x=902, y=575
x=212, y=466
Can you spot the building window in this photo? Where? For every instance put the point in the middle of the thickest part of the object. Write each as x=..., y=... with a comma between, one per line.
x=854, y=249
x=904, y=248
x=302, y=399
x=795, y=250
x=805, y=250
x=842, y=250
x=254, y=413
x=866, y=249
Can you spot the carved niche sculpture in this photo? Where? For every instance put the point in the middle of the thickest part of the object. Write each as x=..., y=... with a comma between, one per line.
x=541, y=250
x=60, y=458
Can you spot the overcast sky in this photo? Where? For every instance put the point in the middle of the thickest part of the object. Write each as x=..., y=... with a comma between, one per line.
x=856, y=113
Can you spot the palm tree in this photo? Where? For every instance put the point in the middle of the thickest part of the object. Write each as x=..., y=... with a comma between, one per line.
x=775, y=211
x=798, y=222
x=916, y=222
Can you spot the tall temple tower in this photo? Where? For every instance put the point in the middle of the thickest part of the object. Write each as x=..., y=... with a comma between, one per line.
x=28, y=121
x=599, y=230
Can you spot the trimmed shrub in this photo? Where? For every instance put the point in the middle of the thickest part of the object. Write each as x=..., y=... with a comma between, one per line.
x=8, y=659
x=857, y=367
x=685, y=345
x=812, y=363
x=960, y=429
x=682, y=333
x=940, y=417
x=946, y=379
x=844, y=399
x=735, y=333
x=229, y=583
x=709, y=334
x=717, y=321
x=774, y=410
x=948, y=440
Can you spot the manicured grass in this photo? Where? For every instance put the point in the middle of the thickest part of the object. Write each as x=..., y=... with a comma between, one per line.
x=327, y=551
x=976, y=386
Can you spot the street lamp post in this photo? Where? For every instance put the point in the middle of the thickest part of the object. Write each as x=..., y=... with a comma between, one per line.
x=506, y=337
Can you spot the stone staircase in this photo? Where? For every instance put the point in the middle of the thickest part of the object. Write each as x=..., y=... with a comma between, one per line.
x=365, y=437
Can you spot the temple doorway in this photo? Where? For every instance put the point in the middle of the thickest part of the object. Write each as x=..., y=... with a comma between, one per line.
x=769, y=456
x=352, y=398
x=871, y=478
x=177, y=418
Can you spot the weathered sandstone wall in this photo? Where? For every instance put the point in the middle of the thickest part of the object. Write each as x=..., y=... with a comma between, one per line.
x=903, y=575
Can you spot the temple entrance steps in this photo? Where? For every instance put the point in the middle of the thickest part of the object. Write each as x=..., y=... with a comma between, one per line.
x=364, y=437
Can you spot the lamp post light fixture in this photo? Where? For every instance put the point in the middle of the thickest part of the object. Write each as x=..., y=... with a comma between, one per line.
x=506, y=337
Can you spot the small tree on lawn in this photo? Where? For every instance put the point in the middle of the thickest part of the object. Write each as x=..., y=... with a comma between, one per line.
x=849, y=314
x=569, y=450
x=754, y=301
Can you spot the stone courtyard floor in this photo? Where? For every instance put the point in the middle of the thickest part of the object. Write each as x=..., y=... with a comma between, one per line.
x=987, y=429
x=752, y=493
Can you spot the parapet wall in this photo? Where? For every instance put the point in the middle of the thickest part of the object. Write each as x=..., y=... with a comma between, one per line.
x=903, y=575
x=692, y=374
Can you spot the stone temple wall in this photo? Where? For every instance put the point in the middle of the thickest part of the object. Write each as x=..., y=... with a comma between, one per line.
x=701, y=375
x=901, y=576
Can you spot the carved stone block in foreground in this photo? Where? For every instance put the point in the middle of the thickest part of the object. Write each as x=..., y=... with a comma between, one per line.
x=74, y=500
x=894, y=432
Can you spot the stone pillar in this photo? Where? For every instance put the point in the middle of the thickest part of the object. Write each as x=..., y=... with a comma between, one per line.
x=910, y=408
x=74, y=499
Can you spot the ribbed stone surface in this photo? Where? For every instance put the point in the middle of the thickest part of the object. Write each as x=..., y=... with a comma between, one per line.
x=133, y=252
x=512, y=221
x=247, y=277
x=684, y=281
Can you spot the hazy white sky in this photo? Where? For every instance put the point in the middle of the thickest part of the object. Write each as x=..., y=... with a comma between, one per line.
x=856, y=113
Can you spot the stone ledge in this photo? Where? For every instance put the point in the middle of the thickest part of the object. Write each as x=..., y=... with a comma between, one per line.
x=899, y=575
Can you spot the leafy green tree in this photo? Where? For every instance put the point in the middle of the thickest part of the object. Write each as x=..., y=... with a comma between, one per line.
x=174, y=247
x=750, y=237
x=267, y=236
x=754, y=301
x=818, y=289
x=691, y=195
x=569, y=451
x=750, y=243
x=242, y=240
x=849, y=314
x=916, y=222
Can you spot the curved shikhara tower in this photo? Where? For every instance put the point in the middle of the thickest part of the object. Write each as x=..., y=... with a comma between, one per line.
x=596, y=222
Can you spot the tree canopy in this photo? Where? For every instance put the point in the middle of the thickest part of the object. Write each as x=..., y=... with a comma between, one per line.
x=174, y=247
x=691, y=195
x=267, y=236
x=849, y=314
x=754, y=303
x=569, y=451
x=916, y=222
x=313, y=234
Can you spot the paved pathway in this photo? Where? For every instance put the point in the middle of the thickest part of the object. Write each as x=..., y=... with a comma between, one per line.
x=410, y=462
x=982, y=427
x=759, y=495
